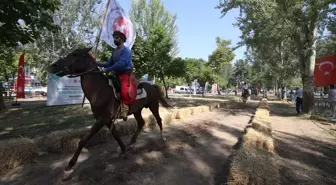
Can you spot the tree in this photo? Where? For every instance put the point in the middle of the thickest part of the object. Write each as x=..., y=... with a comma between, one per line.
x=221, y=56
x=22, y=22
x=140, y=57
x=298, y=21
x=176, y=68
x=8, y=63
x=78, y=26
x=159, y=44
x=147, y=16
x=242, y=70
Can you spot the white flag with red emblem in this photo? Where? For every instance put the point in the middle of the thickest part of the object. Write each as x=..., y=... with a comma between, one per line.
x=117, y=20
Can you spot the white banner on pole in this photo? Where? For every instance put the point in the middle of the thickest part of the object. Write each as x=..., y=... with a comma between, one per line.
x=64, y=91
x=117, y=20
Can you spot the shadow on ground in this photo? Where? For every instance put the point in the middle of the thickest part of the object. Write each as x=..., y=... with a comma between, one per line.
x=278, y=108
x=306, y=156
x=37, y=121
x=196, y=152
x=316, y=159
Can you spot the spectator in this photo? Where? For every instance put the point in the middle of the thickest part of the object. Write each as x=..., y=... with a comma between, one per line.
x=332, y=99
x=299, y=96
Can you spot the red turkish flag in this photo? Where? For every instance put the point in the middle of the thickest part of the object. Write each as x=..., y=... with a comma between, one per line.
x=20, y=93
x=325, y=71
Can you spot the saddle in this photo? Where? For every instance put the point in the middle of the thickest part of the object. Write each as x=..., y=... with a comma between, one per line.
x=114, y=82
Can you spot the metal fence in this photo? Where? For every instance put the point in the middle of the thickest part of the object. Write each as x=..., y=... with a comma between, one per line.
x=324, y=105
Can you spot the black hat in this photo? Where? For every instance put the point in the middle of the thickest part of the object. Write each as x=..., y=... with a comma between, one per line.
x=120, y=34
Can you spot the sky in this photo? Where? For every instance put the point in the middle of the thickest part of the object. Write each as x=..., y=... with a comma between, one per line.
x=199, y=23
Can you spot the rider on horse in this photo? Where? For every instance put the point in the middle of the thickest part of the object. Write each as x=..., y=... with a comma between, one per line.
x=245, y=90
x=121, y=62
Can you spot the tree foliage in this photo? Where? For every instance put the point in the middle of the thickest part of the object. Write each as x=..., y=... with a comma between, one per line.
x=288, y=27
x=147, y=16
x=78, y=25
x=22, y=22
x=221, y=56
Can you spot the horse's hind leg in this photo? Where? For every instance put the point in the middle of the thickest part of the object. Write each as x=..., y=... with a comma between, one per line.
x=94, y=129
x=116, y=136
x=155, y=110
x=141, y=123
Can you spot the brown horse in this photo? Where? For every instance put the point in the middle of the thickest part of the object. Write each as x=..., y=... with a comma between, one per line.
x=104, y=104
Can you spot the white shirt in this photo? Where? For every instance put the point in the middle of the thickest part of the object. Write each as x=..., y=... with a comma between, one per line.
x=299, y=93
x=245, y=86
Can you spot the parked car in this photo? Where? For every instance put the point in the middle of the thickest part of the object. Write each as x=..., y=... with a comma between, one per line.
x=182, y=90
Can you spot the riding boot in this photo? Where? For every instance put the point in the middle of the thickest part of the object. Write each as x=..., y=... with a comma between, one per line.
x=124, y=111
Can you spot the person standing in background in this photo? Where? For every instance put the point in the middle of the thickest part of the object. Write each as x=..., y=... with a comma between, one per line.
x=332, y=99
x=299, y=96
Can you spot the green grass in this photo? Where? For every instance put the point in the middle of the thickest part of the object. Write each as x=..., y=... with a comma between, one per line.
x=39, y=120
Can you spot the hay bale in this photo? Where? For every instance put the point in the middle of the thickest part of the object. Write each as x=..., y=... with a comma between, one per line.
x=255, y=162
x=253, y=167
x=15, y=152
x=236, y=99
x=167, y=118
x=197, y=110
x=126, y=128
x=263, y=104
x=67, y=141
x=62, y=141
x=262, y=126
x=262, y=111
x=99, y=138
x=255, y=139
x=205, y=108
x=217, y=105
x=262, y=115
x=211, y=107
x=68, y=144
x=183, y=113
x=173, y=112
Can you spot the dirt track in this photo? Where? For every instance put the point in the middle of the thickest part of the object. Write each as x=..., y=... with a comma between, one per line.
x=196, y=152
x=306, y=150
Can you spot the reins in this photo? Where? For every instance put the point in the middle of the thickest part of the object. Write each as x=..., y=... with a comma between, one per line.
x=85, y=72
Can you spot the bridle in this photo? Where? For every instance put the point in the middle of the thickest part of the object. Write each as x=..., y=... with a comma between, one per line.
x=68, y=71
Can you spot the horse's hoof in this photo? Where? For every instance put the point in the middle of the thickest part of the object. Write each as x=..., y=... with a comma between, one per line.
x=67, y=175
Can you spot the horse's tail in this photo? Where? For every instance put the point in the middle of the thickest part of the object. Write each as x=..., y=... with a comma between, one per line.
x=162, y=101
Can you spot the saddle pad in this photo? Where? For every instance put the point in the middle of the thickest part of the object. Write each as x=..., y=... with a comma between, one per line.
x=141, y=93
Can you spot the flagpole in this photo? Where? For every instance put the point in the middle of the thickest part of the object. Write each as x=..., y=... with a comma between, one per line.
x=101, y=26
x=100, y=31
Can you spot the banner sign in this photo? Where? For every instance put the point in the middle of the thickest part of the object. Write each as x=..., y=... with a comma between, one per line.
x=64, y=91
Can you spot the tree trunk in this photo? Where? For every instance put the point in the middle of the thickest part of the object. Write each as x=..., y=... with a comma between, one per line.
x=2, y=100
x=307, y=66
x=308, y=93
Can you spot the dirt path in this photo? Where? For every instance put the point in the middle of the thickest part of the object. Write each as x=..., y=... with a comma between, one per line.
x=306, y=150
x=196, y=152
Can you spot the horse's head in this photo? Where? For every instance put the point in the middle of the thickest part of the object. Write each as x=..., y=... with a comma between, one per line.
x=78, y=61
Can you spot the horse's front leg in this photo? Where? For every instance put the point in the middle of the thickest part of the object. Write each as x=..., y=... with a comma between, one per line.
x=141, y=123
x=94, y=129
x=116, y=136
